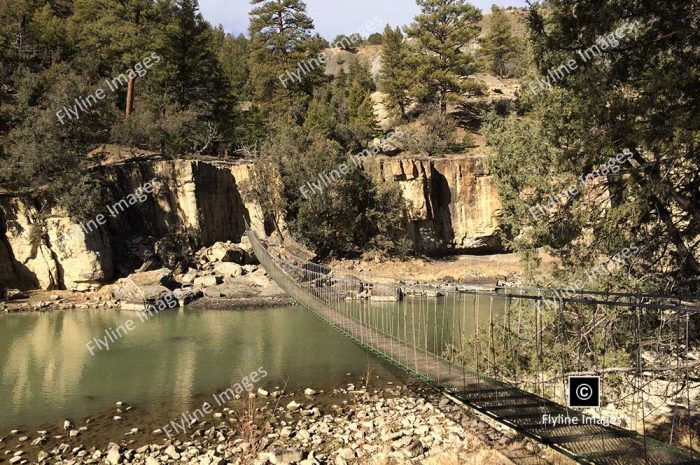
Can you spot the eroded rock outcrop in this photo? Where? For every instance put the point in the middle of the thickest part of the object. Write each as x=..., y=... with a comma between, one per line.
x=453, y=203
x=453, y=206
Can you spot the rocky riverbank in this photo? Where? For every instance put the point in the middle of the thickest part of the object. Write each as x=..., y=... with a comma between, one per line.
x=224, y=276
x=353, y=425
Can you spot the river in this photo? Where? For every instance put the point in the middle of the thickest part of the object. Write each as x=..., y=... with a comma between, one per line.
x=166, y=364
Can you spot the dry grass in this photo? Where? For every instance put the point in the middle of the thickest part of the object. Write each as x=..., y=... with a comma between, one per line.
x=689, y=439
x=367, y=375
x=480, y=457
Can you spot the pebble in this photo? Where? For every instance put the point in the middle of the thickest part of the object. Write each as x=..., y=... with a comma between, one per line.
x=364, y=426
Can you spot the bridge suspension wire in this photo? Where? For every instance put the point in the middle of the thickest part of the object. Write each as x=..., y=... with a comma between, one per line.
x=508, y=353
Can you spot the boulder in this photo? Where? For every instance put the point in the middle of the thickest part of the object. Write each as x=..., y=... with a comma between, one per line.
x=83, y=256
x=231, y=290
x=188, y=278
x=11, y=294
x=226, y=252
x=161, y=277
x=260, y=278
x=148, y=285
x=208, y=281
x=386, y=293
x=187, y=295
x=228, y=269
x=286, y=456
x=114, y=455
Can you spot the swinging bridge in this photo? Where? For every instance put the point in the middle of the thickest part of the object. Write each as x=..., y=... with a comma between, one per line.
x=507, y=353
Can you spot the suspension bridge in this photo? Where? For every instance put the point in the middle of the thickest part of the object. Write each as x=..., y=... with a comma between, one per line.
x=508, y=353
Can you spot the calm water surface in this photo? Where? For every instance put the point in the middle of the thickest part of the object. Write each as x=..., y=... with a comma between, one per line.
x=47, y=373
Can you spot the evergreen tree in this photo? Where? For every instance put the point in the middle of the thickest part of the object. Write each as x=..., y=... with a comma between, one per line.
x=499, y=46
x=44, y=158
x=111, y=36
x=361, y=118
x=444, y=29
x=633, y=94
x=190, y=79
x=281, y=41
x=344, y=111
x=397, y=76
x=376, y=38
x=233, y=55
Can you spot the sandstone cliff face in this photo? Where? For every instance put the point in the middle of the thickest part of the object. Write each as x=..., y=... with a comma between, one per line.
x=62, y=256
x=195, y=198
x=452, y=201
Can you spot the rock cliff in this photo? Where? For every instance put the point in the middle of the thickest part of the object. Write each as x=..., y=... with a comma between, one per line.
x=452, y=202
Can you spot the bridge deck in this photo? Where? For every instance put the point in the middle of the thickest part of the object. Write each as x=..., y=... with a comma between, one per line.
x=516, y=408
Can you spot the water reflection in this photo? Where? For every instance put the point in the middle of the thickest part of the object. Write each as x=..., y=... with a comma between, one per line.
x=47, y=373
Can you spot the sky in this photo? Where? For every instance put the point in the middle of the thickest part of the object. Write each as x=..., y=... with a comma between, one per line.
x=333, y=17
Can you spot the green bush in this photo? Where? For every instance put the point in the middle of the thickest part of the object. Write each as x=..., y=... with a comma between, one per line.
x=434, y=135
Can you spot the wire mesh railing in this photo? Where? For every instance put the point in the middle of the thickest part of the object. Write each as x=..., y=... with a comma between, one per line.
x=509, y=353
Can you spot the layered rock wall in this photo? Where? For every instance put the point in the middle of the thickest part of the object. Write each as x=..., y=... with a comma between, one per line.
x=452, y=202
x=452, y=210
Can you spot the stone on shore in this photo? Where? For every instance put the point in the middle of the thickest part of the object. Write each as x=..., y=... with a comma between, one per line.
x=228, y=269
x=148, y=285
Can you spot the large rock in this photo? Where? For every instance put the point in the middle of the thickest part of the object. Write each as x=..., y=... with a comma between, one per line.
x=386, y=293
x=145, y=286
x=228, y=270
x=83, y=257
x=208, y=281
x=160, y=277
x=187, y=295
x=226, y=252
x=285, y=456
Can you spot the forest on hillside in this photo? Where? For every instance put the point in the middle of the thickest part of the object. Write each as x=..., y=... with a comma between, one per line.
x=596, y=156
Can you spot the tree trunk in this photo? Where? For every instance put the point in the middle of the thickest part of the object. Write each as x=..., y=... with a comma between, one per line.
x=130, y=96
x=689, y=263
x=685, y=204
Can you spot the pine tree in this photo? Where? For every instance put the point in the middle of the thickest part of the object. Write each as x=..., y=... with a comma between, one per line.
x=632, y=95
x=444, y=29
x=281, y=42
x=362, y=120
x=397, y=76
x=111, y=36
x=344, y=111
x=32, y=35
x=189, y=81
x=499, y=45
x=233, y=55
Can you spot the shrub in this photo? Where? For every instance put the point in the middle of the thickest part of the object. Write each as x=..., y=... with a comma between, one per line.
x=435, y=135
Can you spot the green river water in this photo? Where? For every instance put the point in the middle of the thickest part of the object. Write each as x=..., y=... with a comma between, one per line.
x=47, y=373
